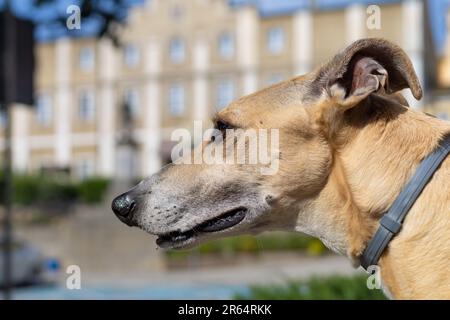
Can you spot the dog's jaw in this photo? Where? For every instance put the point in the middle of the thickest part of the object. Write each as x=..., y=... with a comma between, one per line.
x=223, y=223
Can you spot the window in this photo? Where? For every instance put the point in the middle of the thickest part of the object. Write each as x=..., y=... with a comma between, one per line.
x=275, y=40
x=85, y=168
x=86, y=106
x=226, y=45
x=86, y=58
x=176, y=99
x=225, y=93
x=131, y=55
x=131, y=98
x=176, y=13
x=177, y=50
x=44, y=109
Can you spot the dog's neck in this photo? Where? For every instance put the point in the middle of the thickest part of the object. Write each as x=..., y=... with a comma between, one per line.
x=371, y=164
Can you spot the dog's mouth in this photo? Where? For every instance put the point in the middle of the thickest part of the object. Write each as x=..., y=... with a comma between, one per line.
x=177, y=239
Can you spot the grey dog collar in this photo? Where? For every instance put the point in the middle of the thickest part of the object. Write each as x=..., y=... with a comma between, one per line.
x=391, y=222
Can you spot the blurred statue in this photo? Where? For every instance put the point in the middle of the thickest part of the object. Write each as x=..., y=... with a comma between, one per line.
x=127, y=147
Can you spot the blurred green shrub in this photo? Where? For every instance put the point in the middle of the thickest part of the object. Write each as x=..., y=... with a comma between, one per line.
x=315, y=247
x=276, y=241
x=93, y=190
x=329, y=288
x=53, y=191
x=26, y=189
x=41, y=190
x=33, y=189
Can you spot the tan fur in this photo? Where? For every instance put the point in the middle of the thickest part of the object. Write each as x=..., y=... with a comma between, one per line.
x=344, y=158
x=415, y=266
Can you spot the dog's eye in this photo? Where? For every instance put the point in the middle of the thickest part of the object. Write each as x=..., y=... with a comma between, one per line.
x=222, y=127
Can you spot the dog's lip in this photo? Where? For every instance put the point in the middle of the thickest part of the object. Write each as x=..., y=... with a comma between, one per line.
x=224, y=221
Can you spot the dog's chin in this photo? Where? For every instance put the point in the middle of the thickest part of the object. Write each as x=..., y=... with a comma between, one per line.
x=223, y=224
x=178, y=245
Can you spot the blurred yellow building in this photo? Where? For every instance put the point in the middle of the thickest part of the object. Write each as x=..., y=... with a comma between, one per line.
x=182, y=61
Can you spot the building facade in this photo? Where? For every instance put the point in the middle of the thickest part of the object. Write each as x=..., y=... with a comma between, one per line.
x=181, y=61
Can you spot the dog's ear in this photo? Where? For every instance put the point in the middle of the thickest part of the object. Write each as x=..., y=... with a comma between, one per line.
x=365, y=67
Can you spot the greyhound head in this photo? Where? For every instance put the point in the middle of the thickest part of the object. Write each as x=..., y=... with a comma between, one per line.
x=315, y=116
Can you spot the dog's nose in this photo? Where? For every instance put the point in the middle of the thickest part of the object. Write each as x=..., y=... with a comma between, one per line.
x=123, y=206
